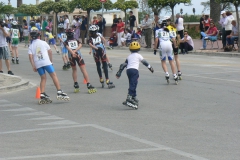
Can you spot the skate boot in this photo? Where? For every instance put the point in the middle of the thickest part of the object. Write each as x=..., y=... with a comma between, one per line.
x=13, y=61
x=110, y=66
x=136, y=100
x=62, y=96
x=130, y=102
x=10, y=72
x=110, y=84
x=45, y=99
x=17, y=60
x=102, y=82
x=167, y=78
x=179, y=75
x=175, y=77
x=76, y=86
x=91, y=89
x=68, y=65
x=65, y=67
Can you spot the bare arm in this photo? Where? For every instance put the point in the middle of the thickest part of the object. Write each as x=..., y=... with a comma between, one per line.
x=50, y=54
x=155, y=43
x=32, y=62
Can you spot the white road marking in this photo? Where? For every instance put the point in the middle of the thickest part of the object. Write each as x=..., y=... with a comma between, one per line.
x=212, y=73
x=19, y=109
x=46, y=118
x=4, y=101
x=33, y=114
x=10, y=105
x=64, y=122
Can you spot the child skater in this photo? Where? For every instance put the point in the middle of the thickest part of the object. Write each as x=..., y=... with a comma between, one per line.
x=40, y=56
x=75, y=58
x=15, y=41
x=51, y=39
x=26, y=36
x=62, y=38
x=132, y=64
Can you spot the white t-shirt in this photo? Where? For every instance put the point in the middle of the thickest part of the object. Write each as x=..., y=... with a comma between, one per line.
x=190, y=41
x=162, y=35
x=66, y=22
x=14, y=33
x=25, y=32
x=133, y=60
x=3, y=41
x=128, y=36
x=74, y=22
x=228, y=23
x=39, y=50
x=180, y=24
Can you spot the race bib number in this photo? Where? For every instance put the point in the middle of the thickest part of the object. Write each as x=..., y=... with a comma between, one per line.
x=73, y=45
x=164, y=34
x=173, y=34
x=64, y=37
x=15, y=33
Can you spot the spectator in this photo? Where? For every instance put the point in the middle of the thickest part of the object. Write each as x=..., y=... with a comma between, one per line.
x=126, y=37
x=206, y=22
x=201, y=25
x=61, y=21
x=103, y=23
x=147, y=28
x=228, y=23
x=74, y=21
x=112, y=42
x=95, y=21
x=66, y=22
x=186, y=43
x=38, y=24
x=120, y=30
x=115, y=22
x=179, y=25
x=83, y=29
x=233, y=35
x=222, y=20
x=211, y=34
x=4, y=52
x=50, y=24
x=132, y=20
x=77, y=29
x=100, y=24
x=156, y=24
x=44, y=25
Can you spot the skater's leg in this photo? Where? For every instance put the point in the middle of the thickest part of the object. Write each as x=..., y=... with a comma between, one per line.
x=133, y=81
x=43, y=82
x=164, y=66
x=177, y=62
x=98, y=64
x=105, y=68
x=74, y=73
x=172, y=66
x=84, y=72
x=55, y=80
x=7, y=62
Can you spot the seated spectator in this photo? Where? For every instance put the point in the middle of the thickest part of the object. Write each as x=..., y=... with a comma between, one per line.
x=233, y=35
x=210, y=34
x=112, y=42
x=127, y=37
x=186, y=43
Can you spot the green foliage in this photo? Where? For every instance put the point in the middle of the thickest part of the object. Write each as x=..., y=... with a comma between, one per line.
x=108, y=5
x=193, y=33
x=164, y=3
x=46, y=6
x=8, y=9
x=30, y=9
x=191, y=18
x=61, y=6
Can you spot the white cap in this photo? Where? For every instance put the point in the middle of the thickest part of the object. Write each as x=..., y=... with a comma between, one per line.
x=222, y=12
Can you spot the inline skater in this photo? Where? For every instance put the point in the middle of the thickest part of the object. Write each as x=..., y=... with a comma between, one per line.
x=40, y=56
x=15, y=34
x=96, y=43
x=132, y=64
x=51, y=39
x=73, y=46
x=162, y=37
x=62, y=38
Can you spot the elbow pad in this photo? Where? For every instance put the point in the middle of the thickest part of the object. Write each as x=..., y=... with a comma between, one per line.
x=145, y=63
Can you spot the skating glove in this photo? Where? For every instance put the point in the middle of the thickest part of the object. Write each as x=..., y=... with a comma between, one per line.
x=118, y=74
x=155, y=52
x=150, y=68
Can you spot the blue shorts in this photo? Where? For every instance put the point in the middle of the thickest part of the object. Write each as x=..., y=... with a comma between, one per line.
x=49, y=69
x=52, y=41
x=64, y=50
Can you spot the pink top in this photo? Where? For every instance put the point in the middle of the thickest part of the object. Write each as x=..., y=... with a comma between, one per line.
x=211, y=31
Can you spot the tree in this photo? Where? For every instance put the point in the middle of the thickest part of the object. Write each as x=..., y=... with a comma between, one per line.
x=170, y=3
x=124, y=6
x=215, y=10
x=8, y=10
x=236, y=4
x=46, y=6
x=223, y=6
x=30, y=9
x=155, y=5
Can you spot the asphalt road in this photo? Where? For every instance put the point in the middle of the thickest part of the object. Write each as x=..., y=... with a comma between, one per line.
x=197, y=119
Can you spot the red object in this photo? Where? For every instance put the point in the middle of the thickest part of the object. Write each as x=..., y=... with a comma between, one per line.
x=38, y=92
x=84, y=81
x=103, y=1
x=120, y=27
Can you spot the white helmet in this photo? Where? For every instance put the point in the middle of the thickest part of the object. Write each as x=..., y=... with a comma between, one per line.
x=97, y=27
x=14, y=23
x=60, y=25
x=159, y=21
x=93, y=28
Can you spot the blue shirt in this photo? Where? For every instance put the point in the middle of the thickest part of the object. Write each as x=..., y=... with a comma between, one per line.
x=83, y=25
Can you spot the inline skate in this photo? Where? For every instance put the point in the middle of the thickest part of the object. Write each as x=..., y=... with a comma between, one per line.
x=175, y=77
x=62, y=96
x=136, y=100
x=110, y=84
x=13, y=61
x=102, y=82
x=68, y=65
x=130, y=102
x=179, y=75
x=64, y=67
x=76, y=87
x=167, y=78
x=45, y=99
x=17, y=60
x=91, y=89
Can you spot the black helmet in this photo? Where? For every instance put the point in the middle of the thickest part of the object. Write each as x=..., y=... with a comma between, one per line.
x=32, y=23
x=69, y=33
x=34, y=33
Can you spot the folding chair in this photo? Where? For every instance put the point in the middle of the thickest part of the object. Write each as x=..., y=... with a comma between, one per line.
x=212, y=41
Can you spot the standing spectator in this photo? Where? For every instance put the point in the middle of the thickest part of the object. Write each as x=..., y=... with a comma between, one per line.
x=100, y=24
x=103, y=23
x=228, y=23
x=156, y=24
x=77, y=29
x=38, y=24
x=186, y=43
x=233, y=35
x=206, y=22
x=132, y=20
x=210, y=33
x=179, y=25
x=147, y=27
x=120, y=30
x=201, y=25
x=61, y=21
x=115, y=22
x=222, y=20
x=66, y=22
x=44, y=25
x=83, y=29
x=4, y=52
x=95, y=21
x=74, y=21
x=50, y=24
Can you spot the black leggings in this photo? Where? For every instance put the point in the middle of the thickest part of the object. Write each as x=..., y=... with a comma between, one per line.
x=105, y=69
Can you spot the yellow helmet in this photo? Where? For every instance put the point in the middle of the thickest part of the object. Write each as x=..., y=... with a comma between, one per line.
x=134, y=46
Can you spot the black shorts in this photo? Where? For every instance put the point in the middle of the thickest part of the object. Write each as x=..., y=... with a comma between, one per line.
x=8, y=39
x=99, y=54
x=76, y=60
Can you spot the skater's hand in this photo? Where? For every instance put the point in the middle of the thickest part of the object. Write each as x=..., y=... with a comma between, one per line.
x=34, y=69
x=155, y=52
x=151, y=69
x=90, y=53
x=117, y=77
x=74, y=54
x=118, y=74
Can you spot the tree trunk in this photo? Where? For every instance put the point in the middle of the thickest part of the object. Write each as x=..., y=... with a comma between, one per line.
x=19, y=3
x=172, y=8
x=125, y=14
x=215, y=9
x=236, y=7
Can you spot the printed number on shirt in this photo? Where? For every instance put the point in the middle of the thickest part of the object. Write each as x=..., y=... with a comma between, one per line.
x=164, y=34
x=64, y=36
x=73, y=44
x=173, y=34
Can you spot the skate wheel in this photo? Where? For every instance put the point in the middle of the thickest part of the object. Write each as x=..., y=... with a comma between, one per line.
x=168, y=81
x=176, y=82
x=90, y=92
x=40, y=102
x=76, y=90
x=180, y=78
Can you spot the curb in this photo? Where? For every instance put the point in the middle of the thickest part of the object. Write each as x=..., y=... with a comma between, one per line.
x=22, y=83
